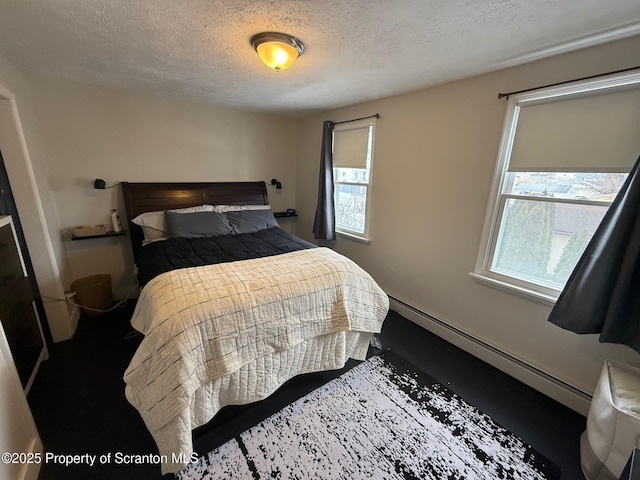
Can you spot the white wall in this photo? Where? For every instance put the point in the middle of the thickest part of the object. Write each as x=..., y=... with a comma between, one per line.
x=435, y=154
x=92, y=132
x=27, y=169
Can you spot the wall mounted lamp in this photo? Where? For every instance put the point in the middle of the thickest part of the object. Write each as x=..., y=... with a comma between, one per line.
x=100, y=184
x=277, y=184
x=277, y=50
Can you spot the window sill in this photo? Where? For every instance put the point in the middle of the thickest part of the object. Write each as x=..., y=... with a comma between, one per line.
x=510, y=288
x=355, y=238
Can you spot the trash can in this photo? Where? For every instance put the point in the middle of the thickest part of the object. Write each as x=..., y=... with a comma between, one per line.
x=93, y=293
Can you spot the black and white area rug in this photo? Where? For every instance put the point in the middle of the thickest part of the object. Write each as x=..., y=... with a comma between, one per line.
x=382, y=419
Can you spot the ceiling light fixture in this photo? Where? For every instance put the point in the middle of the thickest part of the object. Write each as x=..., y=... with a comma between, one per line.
x=277, y=50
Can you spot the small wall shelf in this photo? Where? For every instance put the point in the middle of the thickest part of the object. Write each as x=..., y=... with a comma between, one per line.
x=288, y=221
x=102, y=235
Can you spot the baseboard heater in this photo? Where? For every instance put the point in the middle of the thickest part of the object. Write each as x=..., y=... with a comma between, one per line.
x=580, y=401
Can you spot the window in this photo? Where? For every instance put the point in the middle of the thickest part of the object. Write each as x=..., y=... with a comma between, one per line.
x=565, y=153
x=352, y=158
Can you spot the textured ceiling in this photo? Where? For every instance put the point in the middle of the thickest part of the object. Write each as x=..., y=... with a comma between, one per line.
x=356, y=50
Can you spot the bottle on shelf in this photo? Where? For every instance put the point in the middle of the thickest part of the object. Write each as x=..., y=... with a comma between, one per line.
x=115, y=220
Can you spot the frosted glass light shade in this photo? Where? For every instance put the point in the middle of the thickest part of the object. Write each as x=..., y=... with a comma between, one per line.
x=277, y=50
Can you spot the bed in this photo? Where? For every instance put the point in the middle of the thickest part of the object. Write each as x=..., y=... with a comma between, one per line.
x=231, y=306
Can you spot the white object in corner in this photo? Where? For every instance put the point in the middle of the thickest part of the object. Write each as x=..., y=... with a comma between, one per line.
x=18, y=433
x=613, y=423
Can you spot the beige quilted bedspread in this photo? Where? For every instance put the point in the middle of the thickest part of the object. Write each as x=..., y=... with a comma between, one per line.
x=232, y=333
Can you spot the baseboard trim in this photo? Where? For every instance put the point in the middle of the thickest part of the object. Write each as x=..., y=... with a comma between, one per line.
x=44, y=355
x=32, y=470
x=74, y=317
x=530, y=375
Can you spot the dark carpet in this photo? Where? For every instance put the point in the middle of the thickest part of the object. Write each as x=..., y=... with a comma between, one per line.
x=79, y=406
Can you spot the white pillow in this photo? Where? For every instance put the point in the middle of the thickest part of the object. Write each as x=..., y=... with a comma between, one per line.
x=154, y=225
x=239, y=208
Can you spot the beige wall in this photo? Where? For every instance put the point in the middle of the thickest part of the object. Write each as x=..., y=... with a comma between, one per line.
x=27, y=169
x=435, y=154
x=91, y=132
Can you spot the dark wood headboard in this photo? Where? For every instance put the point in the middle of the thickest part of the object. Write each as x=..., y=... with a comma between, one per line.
x=148, y=197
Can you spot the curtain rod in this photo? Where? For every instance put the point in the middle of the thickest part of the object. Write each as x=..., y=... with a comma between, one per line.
x=377, y=115
x=503, y=95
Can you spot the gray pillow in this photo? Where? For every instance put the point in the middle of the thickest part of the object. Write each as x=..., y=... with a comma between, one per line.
x=197, y=224
x=249, y=221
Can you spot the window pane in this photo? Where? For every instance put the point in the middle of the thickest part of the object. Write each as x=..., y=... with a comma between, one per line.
x=542, y=241
x=351, y=204
x=351, y=175
x=601, y=187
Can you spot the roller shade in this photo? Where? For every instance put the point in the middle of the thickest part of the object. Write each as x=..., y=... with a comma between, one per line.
x=599, y=133
x=350, y=147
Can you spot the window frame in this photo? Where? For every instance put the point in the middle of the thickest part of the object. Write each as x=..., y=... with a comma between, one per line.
x=495, y=208
x=369, y=123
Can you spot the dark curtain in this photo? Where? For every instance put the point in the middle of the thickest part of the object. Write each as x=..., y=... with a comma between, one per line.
x=602, y=294
x=324, y=224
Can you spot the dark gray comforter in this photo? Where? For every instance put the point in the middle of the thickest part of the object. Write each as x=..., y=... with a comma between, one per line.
x=174, y=253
